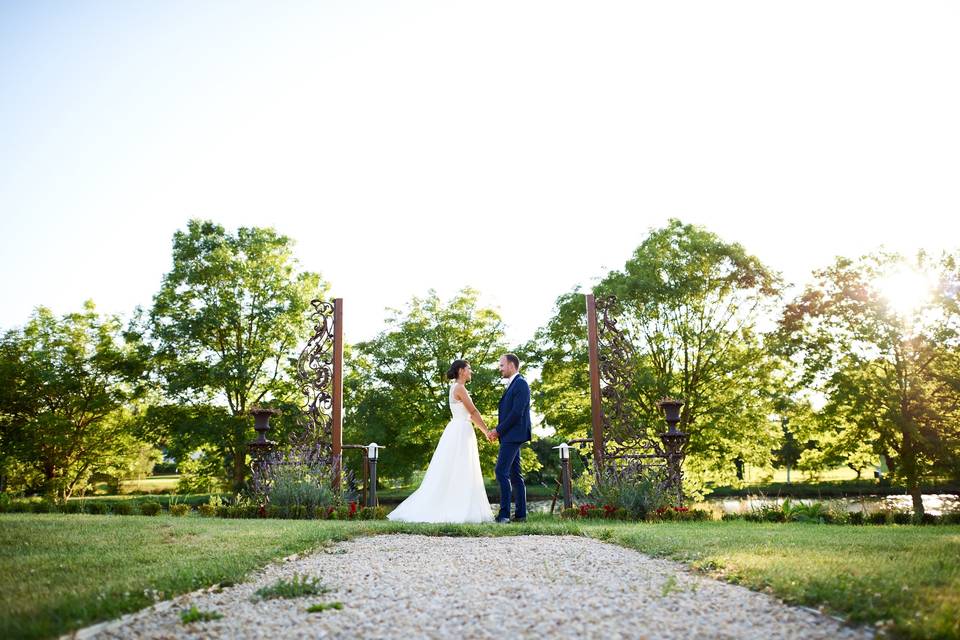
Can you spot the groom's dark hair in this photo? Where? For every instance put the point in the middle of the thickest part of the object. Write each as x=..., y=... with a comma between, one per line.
x=513, y=359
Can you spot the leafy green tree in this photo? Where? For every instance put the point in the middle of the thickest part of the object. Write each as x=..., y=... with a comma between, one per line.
x=227, y=321
x=889, y=373
x=561, y=394
x=64, y=384
x=692, y=306
x=396, y=387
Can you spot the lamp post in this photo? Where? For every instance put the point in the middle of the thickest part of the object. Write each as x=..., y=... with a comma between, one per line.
x=373, y=453
x=674, y=444
x=565, y=474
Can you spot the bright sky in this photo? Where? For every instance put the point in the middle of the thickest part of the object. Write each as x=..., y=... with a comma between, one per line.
x=518, y=147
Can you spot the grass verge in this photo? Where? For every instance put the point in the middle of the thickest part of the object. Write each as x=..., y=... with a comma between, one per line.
x=75, y=570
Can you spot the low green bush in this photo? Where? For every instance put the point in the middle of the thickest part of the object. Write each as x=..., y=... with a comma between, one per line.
x=71, y=506
x=97, y=508
x=42, y=506
x=19, y=506
x=150, y=508
x=179, y=510
x=121, y=509
x=950, y=517
x=902, y=517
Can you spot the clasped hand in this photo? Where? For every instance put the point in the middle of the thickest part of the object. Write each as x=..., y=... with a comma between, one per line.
x=492, y=435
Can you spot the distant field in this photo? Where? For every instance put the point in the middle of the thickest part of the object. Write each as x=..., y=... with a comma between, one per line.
x=758, y=475
x=150, y=484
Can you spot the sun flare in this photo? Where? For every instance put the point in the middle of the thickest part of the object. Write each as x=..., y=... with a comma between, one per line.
x=906, y=290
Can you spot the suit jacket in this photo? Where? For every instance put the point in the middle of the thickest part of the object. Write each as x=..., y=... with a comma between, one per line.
x=513, y=413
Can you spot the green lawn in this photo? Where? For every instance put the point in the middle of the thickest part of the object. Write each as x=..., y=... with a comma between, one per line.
x=73, y=570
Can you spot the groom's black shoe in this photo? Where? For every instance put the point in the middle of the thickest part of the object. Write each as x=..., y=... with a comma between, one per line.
x=503, y=520
x=524, y=519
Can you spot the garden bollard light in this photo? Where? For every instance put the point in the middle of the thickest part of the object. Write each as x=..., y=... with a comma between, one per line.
x=373, y=453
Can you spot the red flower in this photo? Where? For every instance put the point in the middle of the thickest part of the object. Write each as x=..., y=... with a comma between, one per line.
x=353, y=509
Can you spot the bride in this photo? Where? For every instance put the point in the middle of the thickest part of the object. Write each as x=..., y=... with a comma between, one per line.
x=452, y=489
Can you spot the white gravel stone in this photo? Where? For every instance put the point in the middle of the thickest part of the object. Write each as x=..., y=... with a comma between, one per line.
x=410, y=586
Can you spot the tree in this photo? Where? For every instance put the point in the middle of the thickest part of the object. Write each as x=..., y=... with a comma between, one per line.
x=227, y=321
x=397, y=391
x=64, y=385
x=560, y=351
x=888, y=372
x=691, y=305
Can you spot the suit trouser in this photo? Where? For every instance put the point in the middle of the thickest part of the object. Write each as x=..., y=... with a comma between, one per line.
x=508, y=473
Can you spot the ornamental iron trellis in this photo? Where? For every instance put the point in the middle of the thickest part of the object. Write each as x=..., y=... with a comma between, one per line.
x=318, y=441
x=315, y=373
x=622, y=445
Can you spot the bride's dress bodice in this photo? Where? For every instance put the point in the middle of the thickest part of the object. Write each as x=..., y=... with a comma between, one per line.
x=457, y=408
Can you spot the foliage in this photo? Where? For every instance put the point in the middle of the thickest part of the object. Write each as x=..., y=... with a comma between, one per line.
x=301, y=486
x=324, y=606
x=121, y=508
x=199, y=472
x=226, y=322
x=64, y=384
x=396, y=388
x=179, y=510
x=637, y=491
x=132, y=459
x=890, y=376
x=150, y=508
x=692, y=306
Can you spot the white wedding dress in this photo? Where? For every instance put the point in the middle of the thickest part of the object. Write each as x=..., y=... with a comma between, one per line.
x=452, y=489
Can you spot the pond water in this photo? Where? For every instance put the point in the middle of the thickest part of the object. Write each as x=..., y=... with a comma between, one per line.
x=935, y=504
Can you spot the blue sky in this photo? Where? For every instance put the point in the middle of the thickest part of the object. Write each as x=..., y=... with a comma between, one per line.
x=520, y=148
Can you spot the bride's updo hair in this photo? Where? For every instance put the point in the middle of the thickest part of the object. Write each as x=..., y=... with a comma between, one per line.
x=454, y=371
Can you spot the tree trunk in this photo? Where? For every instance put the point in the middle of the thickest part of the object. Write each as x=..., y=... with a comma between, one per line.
x=50, y=488
x=917, y=500
x=239, y=469
x=911, y=472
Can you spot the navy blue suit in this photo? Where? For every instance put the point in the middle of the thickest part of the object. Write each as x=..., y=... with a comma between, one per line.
x=513, y=429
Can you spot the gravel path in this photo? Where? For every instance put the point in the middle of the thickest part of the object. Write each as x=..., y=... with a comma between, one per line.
x=409, y=586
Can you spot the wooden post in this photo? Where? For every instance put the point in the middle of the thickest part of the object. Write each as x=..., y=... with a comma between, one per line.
x=337, y=391
x=596, y=414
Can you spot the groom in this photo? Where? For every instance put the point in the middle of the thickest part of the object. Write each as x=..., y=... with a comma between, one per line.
x=513, y=429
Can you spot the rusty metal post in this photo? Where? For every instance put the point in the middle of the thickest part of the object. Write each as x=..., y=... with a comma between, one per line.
x=596, y=413
x=337, y=392
x=565, y=475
